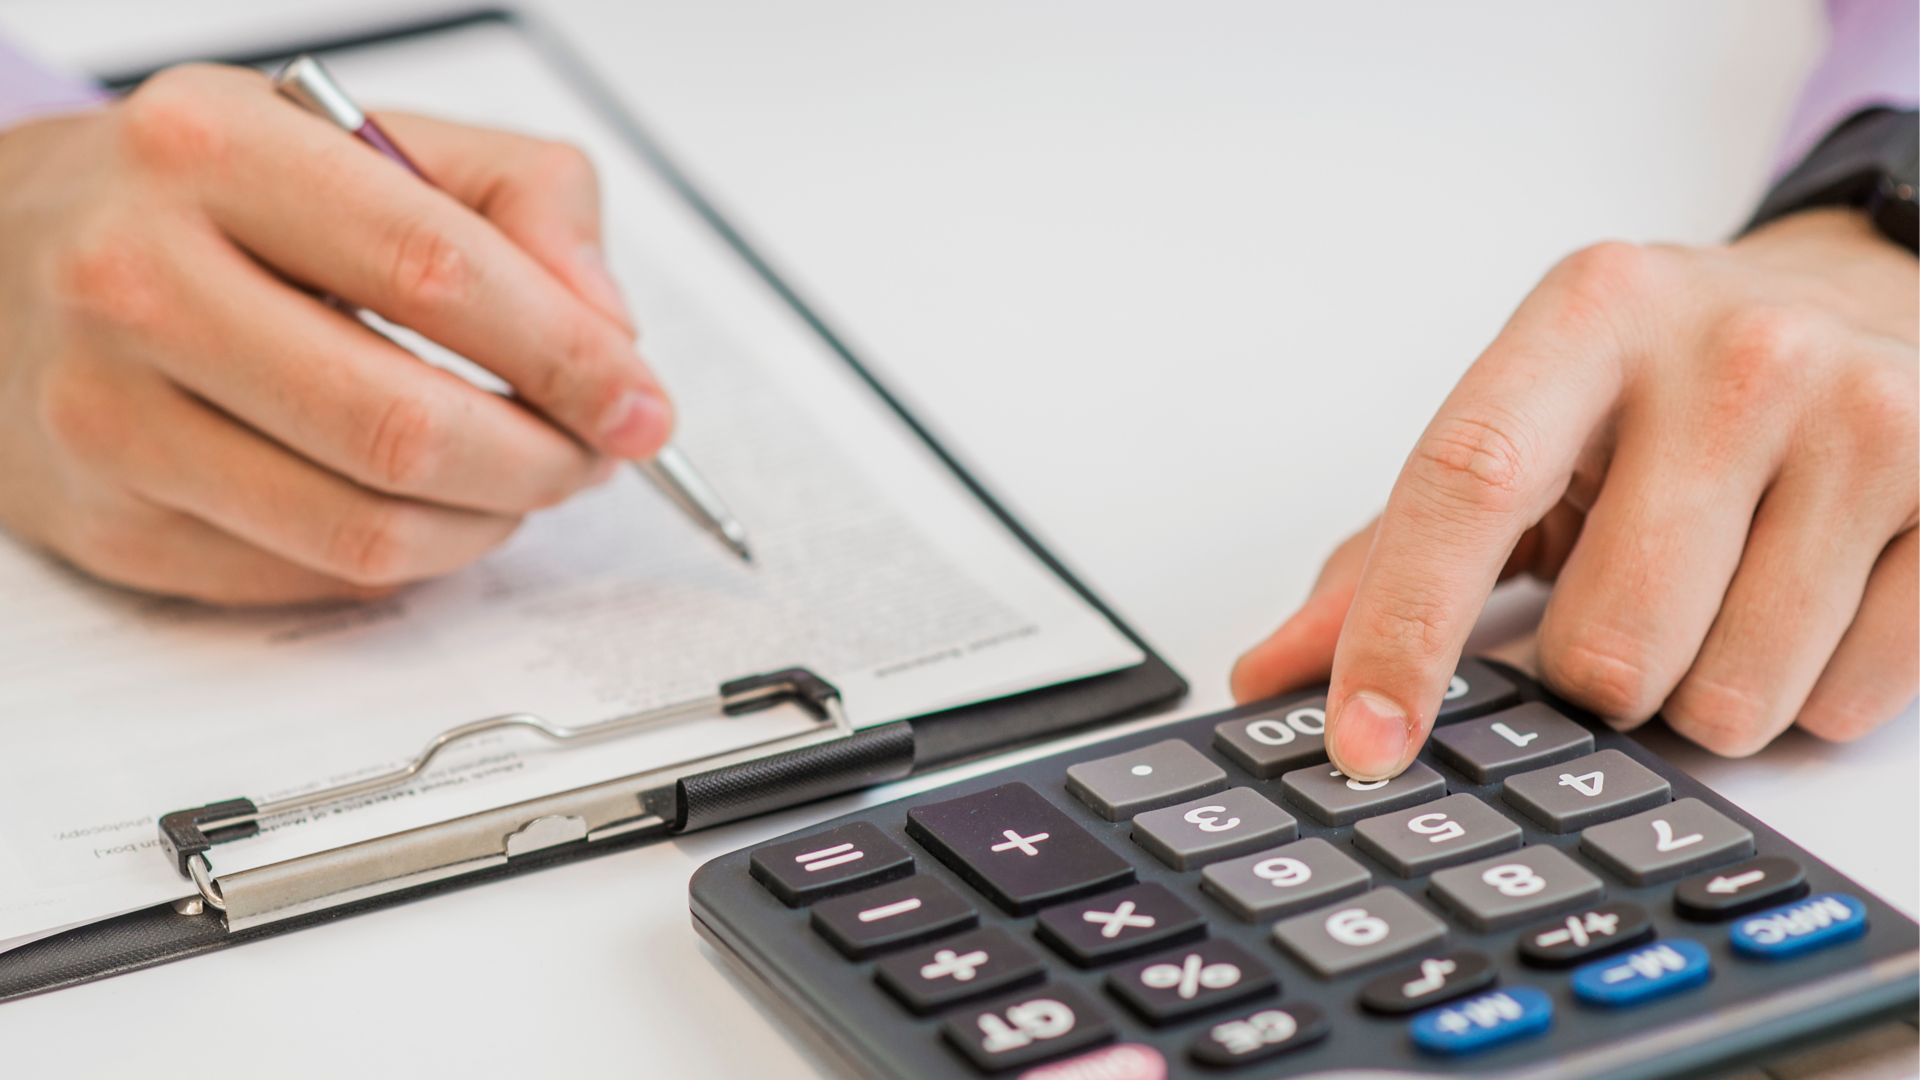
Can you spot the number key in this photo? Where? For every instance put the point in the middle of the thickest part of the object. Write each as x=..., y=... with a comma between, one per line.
x=1586, y=791
x=1524, y=737
x=1506, y=889
x=1367, y=929
x=1474, y=689
x=1331, y=797
x=1444, y=832
x=1213, y=827
x=1285, y=737
x=1667, y=842
x=1284, y=879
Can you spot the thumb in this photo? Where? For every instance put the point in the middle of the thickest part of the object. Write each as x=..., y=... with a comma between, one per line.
x=543, y=195
x=1301, y=651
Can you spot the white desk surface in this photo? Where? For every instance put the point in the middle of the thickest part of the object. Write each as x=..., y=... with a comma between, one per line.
x=1150, y=270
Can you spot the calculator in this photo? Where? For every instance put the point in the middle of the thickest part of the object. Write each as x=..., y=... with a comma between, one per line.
x=1536, y=896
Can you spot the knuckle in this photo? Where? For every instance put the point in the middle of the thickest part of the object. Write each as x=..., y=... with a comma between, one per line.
x=1758, y=351
x=1407, y=625
x=175, y=122
x=1607, y=674
x=1600, y=277
x=1472, y=463
x=429, y=273
x=373, y=544
x=1880, y=404
x=106, y=276
x=405, y=446
x=1729, y=720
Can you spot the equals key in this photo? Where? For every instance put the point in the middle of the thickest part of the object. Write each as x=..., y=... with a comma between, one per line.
x=853, y=856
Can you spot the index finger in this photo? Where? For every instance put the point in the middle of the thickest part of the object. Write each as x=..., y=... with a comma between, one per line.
x=1496, y=457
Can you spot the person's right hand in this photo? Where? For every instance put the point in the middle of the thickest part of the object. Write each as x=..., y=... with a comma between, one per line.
x=180, y=413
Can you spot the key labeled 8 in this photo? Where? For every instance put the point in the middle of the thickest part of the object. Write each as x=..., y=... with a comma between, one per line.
x=1514, y=879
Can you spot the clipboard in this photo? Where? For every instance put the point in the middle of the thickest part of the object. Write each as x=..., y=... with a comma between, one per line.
x=829, y=757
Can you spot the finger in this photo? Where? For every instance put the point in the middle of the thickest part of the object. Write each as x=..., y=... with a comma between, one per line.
x=1640, y=589
x=1301, y=650
x=1495, y=459
x=1875, y=672
x=161, y=551
x=169, y=448
x=329, y=212
x=544, y=195
x=335, y=392
x=1798, y=587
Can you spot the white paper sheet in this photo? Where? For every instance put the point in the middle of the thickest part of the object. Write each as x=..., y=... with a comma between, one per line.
x=875, y=567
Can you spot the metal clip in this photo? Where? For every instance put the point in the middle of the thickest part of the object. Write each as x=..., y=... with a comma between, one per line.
x=188, y=835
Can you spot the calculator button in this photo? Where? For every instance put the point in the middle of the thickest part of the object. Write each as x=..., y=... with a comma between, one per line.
x=1475, y=688
x=1524, y=737
x=1126, y=1061
x=1586, y=791
x=1213, y=827
x=898, y=913
x=1028, y=1026
x=1331, y=797
x=1445, y=832
x=1667, y=842
x=1286, y=879
x=1480, y=1023
x=1116, y=924
x=1277, y=739
x=1265, y=1032
x=1185, y=981
x=1736, y=890
x=836, y=861
x=956, y=969
x=1651, y=971
x=1430, y=981
x=1507, y=889
x=1146, y=778
x=1792, y=929
x=1354, y=933
x=1012, y=844
x=1586, y=934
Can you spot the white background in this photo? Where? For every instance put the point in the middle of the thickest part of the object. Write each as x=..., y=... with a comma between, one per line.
x=1181, y=282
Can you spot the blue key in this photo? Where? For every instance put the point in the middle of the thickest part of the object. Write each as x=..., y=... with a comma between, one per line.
x=1484, y=1021
x=1651, y=971
x=1792, y=929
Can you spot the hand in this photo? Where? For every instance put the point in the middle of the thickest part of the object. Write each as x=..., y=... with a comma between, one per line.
x=1714, y=453
x=180, y=413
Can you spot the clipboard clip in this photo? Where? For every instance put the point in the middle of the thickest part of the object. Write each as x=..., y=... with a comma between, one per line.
x=187, y=836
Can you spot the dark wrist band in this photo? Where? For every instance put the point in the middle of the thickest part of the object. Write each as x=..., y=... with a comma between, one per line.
x=1871, y=163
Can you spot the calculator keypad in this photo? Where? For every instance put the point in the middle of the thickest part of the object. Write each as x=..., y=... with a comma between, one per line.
x=1323, y=896
x=1018, y=848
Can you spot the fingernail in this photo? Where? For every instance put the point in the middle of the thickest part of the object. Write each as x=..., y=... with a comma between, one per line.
x=636, y=425
x=1369, y=737
x=597, y=280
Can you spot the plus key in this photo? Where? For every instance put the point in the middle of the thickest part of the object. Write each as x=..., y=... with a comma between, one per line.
x=1018, y=848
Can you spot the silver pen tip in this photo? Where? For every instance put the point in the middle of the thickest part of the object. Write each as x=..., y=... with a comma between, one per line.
x=736, y=538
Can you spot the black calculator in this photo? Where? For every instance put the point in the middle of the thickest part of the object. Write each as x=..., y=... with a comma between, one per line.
x=1538, y=896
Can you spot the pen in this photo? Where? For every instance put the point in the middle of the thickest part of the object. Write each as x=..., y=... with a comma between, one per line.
x=306, y=82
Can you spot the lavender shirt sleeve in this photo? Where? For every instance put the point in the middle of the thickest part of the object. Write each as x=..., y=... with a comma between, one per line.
x=1871, y=60
x=28, y=88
